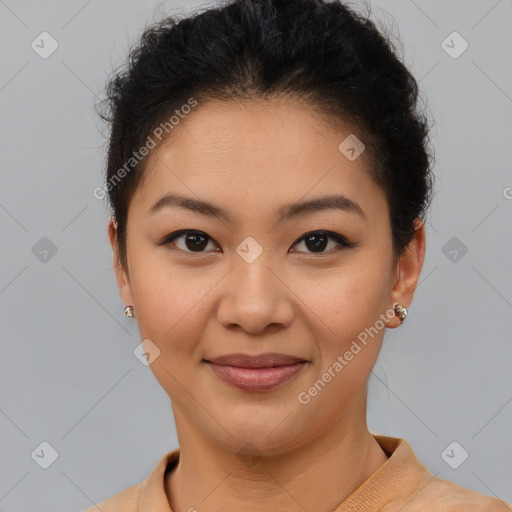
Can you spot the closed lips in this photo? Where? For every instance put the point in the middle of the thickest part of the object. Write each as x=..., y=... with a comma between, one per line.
x=270, y=360
x=258, y=373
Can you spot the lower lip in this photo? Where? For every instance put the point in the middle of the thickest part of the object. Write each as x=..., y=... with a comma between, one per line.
x=256, y=379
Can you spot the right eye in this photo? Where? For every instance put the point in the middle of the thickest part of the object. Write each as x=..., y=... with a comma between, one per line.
x=191, y=241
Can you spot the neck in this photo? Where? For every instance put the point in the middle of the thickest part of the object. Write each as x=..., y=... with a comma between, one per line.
x=318, y=475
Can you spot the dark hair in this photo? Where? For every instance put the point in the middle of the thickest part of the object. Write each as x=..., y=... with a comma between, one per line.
x=314, y=51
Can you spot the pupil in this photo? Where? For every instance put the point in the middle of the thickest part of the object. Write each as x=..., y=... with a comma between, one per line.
x=197, y=242
x=319, y=244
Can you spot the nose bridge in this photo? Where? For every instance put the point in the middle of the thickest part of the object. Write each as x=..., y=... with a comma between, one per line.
x=254, y=279
x=254, y=297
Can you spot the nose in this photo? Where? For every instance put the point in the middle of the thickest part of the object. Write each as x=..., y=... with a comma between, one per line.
x=255, y=297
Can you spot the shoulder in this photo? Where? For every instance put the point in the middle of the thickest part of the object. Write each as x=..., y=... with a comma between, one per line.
x=125, y=501
x=147, y=495
x=439, y=495
x=404, y=484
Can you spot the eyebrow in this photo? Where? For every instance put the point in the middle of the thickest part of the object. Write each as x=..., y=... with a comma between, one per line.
x=286, y=212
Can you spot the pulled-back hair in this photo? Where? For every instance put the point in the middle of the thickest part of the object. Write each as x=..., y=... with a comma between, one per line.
x=317, y=52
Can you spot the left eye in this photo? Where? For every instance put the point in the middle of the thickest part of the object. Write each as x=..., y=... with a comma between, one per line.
x=315, y=241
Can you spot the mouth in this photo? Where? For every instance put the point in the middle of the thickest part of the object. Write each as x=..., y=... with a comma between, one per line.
x=256, y=373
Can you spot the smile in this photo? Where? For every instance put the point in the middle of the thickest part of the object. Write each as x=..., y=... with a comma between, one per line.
x=257, y=379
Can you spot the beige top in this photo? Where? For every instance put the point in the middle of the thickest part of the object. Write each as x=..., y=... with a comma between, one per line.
x=401, y=484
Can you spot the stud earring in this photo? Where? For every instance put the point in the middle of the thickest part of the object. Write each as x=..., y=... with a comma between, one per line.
x=400, y=312
x=128, y=311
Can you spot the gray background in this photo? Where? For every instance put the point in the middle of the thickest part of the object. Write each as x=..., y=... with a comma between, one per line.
x=68, y=374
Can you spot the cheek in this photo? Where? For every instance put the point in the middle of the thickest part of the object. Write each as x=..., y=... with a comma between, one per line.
x=170, y=310
x=169, y=301
x=347, y=299
x=344, y=313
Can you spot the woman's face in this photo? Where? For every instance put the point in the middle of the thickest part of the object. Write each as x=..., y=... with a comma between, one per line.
x=248, y=283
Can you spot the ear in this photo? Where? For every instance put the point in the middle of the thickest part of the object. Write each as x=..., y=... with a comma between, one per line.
x=408, y=270
x=122, y=276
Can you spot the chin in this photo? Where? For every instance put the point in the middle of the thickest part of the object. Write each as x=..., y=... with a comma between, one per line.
x=258, y=438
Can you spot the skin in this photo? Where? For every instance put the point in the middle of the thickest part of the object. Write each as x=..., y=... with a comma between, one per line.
x=251, y=158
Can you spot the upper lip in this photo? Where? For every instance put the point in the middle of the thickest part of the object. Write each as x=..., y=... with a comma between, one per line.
x=267, y=360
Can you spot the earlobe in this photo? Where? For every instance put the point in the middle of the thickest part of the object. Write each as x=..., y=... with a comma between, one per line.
x=122, y=277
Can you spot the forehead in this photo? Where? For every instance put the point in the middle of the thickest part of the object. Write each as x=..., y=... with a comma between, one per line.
x=269, y=152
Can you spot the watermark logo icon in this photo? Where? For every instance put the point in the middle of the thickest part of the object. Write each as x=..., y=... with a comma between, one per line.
x=454, y=249
x=454, y=45
x=44, y=455
x=249, y=249
x=44, y=45
x=454, y=455
x=146, y=352
x=44, y=250
x=351, y=147
x=249, y=459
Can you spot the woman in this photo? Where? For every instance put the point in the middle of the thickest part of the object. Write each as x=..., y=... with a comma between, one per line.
x=269, y=177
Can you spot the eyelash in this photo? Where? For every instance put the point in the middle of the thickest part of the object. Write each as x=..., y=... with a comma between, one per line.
x=342, y=241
